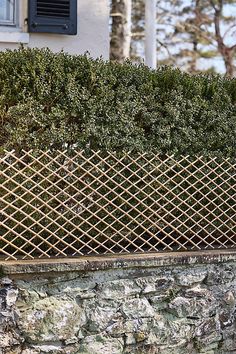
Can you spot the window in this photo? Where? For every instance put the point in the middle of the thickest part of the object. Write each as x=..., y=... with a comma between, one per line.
x=10, y=30
x=7, y=12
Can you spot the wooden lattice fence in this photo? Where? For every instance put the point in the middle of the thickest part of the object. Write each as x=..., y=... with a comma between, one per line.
x=58, y=204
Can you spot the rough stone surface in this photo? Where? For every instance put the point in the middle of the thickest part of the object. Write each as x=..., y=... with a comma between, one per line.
x=175, y=309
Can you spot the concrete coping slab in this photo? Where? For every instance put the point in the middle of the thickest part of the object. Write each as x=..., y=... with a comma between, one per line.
x=95, y=263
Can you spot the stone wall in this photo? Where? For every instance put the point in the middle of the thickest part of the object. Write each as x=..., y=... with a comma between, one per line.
x=135, y=304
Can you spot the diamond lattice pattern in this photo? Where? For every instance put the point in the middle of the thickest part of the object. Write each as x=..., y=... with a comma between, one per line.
x=58, y=204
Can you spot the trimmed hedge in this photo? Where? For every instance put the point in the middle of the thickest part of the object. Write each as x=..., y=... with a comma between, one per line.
x=56, y=101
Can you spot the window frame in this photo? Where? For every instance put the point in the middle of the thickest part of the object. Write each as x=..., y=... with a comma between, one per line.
x=15, y=21
x=12, y=32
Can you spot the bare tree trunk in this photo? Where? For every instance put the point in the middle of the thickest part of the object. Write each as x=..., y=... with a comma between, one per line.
x=195, y=37
x=229, y=61
x=121, y=29
x=226, y=52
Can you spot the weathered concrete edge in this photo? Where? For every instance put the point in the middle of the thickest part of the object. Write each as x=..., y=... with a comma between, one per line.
x=144, y=260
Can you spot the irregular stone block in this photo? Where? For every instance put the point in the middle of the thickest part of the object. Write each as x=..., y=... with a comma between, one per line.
x=99, y=317
x=198, y=291
x=152, y=285
x=118, y=289
x=137, y=308
x=51, y=319
x=191, y=277
x=222, y=275
x=100, y=344
x=192, y=307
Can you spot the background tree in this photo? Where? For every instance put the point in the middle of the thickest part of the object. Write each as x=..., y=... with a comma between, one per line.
x=227, y=51
x=195, y=35
x=206, y=26
x=120, y=29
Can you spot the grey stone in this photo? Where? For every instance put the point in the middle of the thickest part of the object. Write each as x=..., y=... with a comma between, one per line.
x=99, y=317
x=11, y=297
x=152, y=285
x=6, y=281
x=118, y=289
x=191, y=277
x=9, y=339
x=51, y=319
x=137, y=308
x=192, y=307
x=100, y=344
x=208, y=335
x=222, y=275
x=160, y=302
x=229, y=298
x=198, y=291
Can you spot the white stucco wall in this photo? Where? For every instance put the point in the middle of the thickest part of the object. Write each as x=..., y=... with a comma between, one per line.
x=92, y=36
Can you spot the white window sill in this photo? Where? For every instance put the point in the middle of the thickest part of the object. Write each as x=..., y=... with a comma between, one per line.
x=14, y=37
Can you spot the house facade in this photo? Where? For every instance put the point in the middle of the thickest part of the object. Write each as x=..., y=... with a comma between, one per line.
x=75, y=26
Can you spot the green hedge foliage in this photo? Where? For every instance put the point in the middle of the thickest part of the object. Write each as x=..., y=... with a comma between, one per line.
x=58, y=101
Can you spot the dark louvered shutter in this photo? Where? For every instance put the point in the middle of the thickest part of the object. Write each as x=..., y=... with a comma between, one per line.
x=53, y=16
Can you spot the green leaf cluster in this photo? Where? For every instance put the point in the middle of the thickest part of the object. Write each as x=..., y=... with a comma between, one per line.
x=57, y=101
